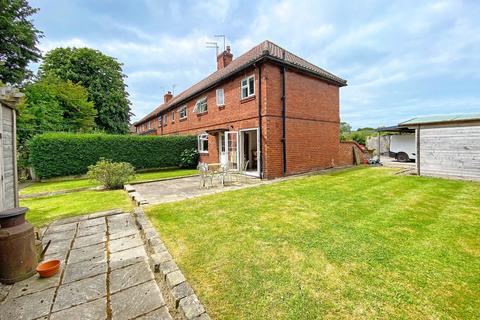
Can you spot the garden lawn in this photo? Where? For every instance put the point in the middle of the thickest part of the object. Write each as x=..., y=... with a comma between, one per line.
x=361, y=243
x=52, y=186
x=46, y=209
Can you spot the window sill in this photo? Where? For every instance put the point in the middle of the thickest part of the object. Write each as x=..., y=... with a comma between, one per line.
x=202, y=113
x=183, y=119
x=221, y=107
x=247, y=99
x=203, y=152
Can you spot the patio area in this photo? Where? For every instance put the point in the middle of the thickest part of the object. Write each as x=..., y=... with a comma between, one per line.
x=189, y=187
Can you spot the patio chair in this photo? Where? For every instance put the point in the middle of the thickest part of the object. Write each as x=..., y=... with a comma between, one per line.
x=240, y=172
x=204, y=175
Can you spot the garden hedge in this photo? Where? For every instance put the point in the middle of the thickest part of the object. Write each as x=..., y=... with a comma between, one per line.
x=63, y=154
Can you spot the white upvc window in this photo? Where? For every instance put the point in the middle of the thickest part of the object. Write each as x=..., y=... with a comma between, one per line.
x=159, y=120
x=149, y=124
x=203, y=143
x=201, y=106
x=165, y=119
x=173, y=116
x=182, y=112
x=220, y=97
x=247, y=87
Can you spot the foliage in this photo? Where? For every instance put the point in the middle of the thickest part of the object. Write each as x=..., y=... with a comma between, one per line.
x=189, y=158
x=112, y=175
x=18, y=40
x=362, y=243
x=52, y=104
x=103, y=78
x=46, y=209
x=345, y=128
x=360, y=135
x=63, y=154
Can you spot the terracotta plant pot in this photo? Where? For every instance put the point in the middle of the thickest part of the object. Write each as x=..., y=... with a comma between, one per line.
x=48, y=268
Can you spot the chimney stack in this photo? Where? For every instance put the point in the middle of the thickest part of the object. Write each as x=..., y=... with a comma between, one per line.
x=167, y=97
x=224, y=58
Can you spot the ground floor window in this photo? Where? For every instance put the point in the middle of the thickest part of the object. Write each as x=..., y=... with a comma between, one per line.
x=203, y=143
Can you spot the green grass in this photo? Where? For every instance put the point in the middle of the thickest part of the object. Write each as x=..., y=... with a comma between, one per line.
x=46, y=209
x=359, y=243
x=51, y=186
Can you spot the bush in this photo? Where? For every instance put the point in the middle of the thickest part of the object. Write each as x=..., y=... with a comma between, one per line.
x=112, y=175
x=63, y=154
x=189, y=158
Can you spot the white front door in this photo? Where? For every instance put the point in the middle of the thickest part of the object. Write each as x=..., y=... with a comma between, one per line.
x=222, y=148
x=231, y=147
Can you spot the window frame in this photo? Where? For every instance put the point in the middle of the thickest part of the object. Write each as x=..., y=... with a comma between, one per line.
x=173, y=116
x=223, y=97
x=201, y=100
x=201, y=138
x=160, y=120
x=165, y=119
x=247, y=86
x=182, y=108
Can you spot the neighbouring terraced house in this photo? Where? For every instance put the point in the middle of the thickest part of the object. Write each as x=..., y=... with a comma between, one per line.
x=268, y=111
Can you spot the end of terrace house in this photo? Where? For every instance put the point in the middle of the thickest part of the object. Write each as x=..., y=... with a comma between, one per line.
x=267, y=110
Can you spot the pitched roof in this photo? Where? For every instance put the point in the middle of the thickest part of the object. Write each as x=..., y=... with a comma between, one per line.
x=442, y=118
x=266, y=49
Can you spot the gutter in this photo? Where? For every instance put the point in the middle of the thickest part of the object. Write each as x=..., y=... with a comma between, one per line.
x=284, y=134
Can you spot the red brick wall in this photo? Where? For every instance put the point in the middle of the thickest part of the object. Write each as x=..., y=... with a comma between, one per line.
x=312, y=124
x=345, y=153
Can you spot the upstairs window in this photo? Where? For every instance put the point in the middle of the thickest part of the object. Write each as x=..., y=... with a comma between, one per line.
x=182, y=112
x=165, y=120
x=203, y=143
x=248, y=87
x=220, y=98
x=201, y=106
x=173, y=116
x=159, y=121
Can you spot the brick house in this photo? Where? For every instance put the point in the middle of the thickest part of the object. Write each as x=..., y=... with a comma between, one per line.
x=267, y=110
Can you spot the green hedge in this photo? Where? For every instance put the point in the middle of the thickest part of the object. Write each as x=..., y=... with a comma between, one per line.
x=63, y=154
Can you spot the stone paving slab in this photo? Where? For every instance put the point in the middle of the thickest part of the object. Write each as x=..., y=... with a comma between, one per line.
x=57, y=236
x=33, y=284
x=130, y=276
x=136, y=301
x=75, y=293
x=61, y=228
x=31, y=306
x=91, y=222
x=159, y=314
x=89, y=240
x=93, y=310
x=125, y=243
x=97, y=229
x=84, y=269
x=94, y=253
x=59, y=246
x=127, y=257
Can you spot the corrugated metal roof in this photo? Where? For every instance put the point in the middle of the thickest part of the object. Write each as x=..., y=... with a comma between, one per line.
x=441, y=118
x=265, y=49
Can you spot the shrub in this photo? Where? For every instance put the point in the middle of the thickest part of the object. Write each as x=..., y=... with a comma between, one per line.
x=112, y=175
x=62, y=154
x=189, y=158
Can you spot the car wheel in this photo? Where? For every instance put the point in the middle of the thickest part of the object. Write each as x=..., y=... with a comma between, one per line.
x=402, y=157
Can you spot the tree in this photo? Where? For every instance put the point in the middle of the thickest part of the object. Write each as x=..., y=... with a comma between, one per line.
x=101, y=75
x=18, y=40
x=52, y=104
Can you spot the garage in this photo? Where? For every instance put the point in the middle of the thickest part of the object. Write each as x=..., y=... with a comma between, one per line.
x=447, y=146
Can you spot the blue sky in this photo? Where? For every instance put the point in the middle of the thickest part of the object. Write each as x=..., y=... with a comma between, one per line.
x=401, y=58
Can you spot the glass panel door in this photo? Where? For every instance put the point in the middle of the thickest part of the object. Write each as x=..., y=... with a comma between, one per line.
x=231, y=146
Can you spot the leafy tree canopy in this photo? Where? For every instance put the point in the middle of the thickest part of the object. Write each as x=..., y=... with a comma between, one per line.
x=345, y=127
x=52, y=104
x=103, y=78
x=18, y=40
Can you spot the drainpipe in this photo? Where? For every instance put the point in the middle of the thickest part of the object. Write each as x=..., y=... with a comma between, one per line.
x=284, y=139
x=260, y=147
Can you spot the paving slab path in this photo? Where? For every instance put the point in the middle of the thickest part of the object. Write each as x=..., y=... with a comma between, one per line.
x=105, y=274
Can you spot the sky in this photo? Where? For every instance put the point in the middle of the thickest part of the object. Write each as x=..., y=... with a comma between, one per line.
x=401, y=58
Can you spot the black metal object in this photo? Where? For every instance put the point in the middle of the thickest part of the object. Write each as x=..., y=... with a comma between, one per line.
x=260, y=147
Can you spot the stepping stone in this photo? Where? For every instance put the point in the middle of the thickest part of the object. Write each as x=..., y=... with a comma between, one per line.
x=94, y=253
x=136, y=301
x=125, y=243
x=127, y=257
x=31, y=306
x=130, y=276
x=129, y=188
x=93, y=310
x=33, y=284
x=75, y=293
x=82, y=270
x=191, y=307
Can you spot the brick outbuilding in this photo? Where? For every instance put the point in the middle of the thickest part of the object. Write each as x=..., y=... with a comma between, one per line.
x=268, y=111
